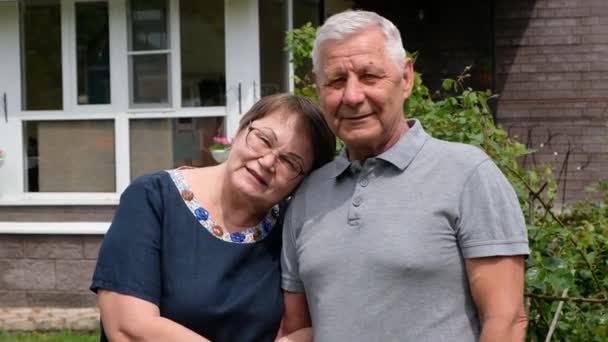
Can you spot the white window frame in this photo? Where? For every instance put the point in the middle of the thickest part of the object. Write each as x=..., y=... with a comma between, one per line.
x=242, y=68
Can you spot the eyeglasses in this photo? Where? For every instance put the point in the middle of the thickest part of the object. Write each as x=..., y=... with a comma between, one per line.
x=263, y=140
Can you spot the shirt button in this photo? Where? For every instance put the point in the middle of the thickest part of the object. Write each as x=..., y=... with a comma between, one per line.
x=364, y=182
x=187, y=195
x=357, y=201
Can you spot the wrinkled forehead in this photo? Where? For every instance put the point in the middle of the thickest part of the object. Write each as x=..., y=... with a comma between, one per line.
x=369, y=44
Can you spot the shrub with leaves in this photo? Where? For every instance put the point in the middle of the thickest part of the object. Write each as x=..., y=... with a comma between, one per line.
x=569, y=260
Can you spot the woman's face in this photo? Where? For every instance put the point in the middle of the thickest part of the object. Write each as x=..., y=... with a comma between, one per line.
x=269, y=158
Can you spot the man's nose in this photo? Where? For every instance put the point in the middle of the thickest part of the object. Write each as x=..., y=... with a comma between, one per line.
x=353, y=92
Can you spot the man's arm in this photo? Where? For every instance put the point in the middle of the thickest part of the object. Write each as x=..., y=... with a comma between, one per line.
x=497, y=286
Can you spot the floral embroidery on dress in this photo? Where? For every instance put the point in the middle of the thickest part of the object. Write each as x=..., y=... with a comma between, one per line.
x=249, y=235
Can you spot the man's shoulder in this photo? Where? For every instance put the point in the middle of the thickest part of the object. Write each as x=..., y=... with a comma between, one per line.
x=314, y=190
x=319, y=178
x=456, y=154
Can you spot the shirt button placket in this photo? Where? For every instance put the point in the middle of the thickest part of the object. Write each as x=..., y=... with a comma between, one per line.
x=354, y=220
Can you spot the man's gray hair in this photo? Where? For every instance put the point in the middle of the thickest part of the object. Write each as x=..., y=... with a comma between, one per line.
x=345, y=24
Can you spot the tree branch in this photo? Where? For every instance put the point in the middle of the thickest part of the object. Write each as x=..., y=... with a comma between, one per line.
x=552, y=214
x=568, y=299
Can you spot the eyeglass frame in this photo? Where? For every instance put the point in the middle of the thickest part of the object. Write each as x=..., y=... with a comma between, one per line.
x=271, y=149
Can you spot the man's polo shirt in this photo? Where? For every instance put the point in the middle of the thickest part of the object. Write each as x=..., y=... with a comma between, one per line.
x=379, y=246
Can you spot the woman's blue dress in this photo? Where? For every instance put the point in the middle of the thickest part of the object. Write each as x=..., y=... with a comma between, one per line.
x=163, y=247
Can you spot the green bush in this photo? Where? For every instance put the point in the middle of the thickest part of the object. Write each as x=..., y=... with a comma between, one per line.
x=569, y=248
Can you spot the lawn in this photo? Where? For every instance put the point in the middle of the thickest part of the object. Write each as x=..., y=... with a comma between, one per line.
x=61, y=336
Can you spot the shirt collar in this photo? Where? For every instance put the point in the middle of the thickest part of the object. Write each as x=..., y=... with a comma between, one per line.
x=400, y=155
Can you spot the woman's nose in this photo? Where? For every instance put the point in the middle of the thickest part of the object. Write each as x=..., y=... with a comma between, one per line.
x=268, y=160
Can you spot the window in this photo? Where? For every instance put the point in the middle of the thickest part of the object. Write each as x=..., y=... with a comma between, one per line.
x=70, y=156
x=158, y=144
x=203, y=39
x=149, y=53
x=274, y=63
x=41, y=55
x=113, y=89
x=93, y=53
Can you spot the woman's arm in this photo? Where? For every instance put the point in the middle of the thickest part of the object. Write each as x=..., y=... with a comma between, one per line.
x=295, y=326
x=127, y=318
x=302, y=335
x=295, y=313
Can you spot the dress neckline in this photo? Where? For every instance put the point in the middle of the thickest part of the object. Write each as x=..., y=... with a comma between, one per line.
x=247, y=235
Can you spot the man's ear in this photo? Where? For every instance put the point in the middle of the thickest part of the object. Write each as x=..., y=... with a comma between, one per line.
x=316, y=79
x=408, y=77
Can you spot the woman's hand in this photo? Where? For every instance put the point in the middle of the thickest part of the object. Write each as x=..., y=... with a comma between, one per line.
x=302, y=335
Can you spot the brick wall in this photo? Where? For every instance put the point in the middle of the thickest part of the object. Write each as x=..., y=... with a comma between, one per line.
x=52, y=271
x=49, y=270
x=552, y=75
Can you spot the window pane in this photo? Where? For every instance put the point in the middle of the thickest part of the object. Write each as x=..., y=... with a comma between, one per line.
x=93, y=52
x=70, y=156
x=41, y=39
x=148, y=25
x=202, y=50
x=150, y=80
x=305, y=11
x=272, y=55
x=160, y=144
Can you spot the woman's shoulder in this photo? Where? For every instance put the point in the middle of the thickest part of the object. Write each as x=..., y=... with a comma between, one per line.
x=152, y=186
x=151, y=178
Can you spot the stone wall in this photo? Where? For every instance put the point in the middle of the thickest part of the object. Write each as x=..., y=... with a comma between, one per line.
x=47, y=270
x=552, y=77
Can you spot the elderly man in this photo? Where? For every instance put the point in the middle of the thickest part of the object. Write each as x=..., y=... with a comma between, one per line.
x=403, y=237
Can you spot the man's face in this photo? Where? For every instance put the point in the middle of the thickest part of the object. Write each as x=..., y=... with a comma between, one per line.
x=362, y=91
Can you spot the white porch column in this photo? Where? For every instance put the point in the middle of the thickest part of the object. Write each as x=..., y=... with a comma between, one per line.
x=242, y=60
x=11, y=178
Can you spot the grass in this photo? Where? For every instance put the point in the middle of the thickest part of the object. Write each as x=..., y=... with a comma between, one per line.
x=55, y=336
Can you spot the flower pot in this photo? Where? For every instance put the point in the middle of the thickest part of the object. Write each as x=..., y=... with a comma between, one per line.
x=220, y=156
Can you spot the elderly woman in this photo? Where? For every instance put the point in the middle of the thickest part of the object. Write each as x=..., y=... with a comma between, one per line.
x=194, y=254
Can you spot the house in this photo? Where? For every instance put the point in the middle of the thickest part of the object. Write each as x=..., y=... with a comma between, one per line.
x=96, y=93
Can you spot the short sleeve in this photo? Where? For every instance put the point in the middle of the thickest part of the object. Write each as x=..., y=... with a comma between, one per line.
x=290, y=279
x=129, y=257
x=491, y=222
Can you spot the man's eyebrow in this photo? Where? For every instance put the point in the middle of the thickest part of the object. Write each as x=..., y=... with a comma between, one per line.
x=334, y=70
x=372, y=68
